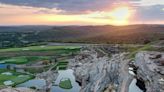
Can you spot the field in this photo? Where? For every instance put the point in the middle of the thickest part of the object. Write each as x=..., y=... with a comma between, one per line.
x=40, y=48
x=33, y=63
x=22, y=59
x=16, y=77
x=61, y=65
x=40, y=35
x=39, y=51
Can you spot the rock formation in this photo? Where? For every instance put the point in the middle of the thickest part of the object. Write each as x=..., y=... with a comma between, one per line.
x=98, y=73
x=151, y=70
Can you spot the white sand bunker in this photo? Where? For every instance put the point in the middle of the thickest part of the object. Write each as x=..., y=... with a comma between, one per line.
x=8, y=83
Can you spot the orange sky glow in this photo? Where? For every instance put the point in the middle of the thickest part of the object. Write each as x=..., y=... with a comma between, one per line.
x=24, y=15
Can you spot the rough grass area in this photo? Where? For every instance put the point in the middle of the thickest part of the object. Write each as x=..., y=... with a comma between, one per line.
x=16, y=77
x=35, y=70
x=40, y=48
x=134, y=51
x=65, y=84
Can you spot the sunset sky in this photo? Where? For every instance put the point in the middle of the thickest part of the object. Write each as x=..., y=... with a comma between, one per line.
x=81, y=12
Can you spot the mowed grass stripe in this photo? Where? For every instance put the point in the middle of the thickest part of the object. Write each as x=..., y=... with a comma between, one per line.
x=23, y=59
x=39, y=48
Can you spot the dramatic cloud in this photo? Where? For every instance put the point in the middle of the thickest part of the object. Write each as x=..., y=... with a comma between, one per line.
x=66, y=5
x=145, y=10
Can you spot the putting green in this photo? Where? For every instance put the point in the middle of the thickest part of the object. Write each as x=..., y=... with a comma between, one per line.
x=65, y=83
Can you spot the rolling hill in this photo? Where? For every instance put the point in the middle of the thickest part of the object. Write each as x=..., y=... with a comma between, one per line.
x=20, y=35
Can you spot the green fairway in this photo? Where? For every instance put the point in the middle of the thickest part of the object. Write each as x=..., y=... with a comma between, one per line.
x=16, y=77
x=61, y=65
x=65, y=83
x=15, y=60
x=40, y=48
x=23, y=59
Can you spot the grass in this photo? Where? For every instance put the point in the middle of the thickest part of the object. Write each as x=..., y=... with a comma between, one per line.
x=34, y=70
x=36, y=58
x=16, y=60
x=17, y=80
x=134, y=51
x=38, y=70
x=40, y=48
x=61, y=65
x=23, y=59
x=65, y=84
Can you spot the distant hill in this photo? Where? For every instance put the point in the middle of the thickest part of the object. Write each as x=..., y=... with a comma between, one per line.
x=88, y=34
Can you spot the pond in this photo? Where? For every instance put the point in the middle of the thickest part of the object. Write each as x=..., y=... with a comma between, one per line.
x=65, y=74
x=11, y=67
x=37, y=83
x=7, y=66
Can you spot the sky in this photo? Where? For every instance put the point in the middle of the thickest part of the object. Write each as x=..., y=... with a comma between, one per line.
x=81, y=12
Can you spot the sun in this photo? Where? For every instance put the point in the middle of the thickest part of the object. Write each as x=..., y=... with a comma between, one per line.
x=120, y=15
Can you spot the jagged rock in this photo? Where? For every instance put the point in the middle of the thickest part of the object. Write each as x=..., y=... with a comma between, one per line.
x=151, y=70
x=96, y=73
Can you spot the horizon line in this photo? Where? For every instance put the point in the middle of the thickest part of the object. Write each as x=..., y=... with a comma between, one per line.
x=77, y=25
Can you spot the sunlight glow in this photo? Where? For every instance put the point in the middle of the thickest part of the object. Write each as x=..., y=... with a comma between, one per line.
x=31, y=15
x=121, y=15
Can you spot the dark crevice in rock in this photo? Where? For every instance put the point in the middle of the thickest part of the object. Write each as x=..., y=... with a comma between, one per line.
x=140, y=83
x=79, y=83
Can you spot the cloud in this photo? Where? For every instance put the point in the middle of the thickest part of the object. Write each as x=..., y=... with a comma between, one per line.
x=65, y=5
x=153, y=13
x=146, y=10
x=150, y=2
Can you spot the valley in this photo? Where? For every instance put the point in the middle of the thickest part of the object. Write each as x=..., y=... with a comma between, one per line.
x=76, y=68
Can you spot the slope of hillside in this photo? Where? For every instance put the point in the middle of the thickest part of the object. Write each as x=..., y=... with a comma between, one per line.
x=92, y=34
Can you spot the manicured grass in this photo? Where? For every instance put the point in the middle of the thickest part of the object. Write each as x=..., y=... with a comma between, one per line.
x=35, y=58
x=24, y=59
x=14, y=77
x=65, y=84
x=39, y=48
x=19, y=80
x=5, y=78
x=61, y=65
x=16, y=60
